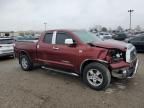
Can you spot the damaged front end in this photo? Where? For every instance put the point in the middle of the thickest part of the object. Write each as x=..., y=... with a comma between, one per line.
x=125, y=70
x=123, y=64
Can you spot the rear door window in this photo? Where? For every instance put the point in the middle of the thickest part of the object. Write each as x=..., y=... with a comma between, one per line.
x=48, y=38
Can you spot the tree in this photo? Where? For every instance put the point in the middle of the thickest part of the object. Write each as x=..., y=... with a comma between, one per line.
x=119, y=28
x=93, y=30
x=98, y=27
x=21, y=33
x=104, y=29
x=138, y=28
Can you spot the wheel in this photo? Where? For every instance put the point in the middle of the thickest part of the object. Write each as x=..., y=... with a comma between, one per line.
x=96, y=76
x=25, y=63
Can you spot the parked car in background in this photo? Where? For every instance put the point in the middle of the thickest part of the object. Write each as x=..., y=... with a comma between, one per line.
x=79, y=52
x=27, y=37
x=37, y=36
x=104, y=35
x=18, y=38
x=137, y=41
x=120, y=36
x=6, y=47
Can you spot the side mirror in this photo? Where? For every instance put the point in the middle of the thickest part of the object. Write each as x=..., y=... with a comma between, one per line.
x=69, y=42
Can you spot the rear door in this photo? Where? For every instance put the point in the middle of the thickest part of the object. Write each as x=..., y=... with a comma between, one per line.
x=45, y=49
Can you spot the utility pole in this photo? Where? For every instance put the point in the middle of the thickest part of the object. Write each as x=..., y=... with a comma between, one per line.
x=45, y=25
x=130, y=11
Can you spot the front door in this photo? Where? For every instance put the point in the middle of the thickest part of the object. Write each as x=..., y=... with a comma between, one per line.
x=65, y=56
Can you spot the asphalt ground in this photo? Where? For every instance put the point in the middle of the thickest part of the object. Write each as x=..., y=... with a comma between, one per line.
x=48, y=89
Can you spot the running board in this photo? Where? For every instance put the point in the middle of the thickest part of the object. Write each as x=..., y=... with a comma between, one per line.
x=56, y=70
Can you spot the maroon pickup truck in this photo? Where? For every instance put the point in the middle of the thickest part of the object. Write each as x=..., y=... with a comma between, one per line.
x=79, y=52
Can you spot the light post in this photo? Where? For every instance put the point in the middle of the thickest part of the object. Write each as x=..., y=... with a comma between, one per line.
x=45, y=24
x=130, y=11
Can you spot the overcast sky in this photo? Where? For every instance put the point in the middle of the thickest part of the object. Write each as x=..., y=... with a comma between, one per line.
x=31, y=14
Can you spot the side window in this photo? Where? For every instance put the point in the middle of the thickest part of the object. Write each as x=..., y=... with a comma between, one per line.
x=48, y=38
x=60, y=38
x=142, y=38
x=137, y=39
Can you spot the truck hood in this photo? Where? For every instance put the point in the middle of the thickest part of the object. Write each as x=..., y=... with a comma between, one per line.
x=113, y=44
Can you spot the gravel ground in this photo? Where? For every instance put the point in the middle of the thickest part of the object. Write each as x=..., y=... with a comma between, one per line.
x=46, y=89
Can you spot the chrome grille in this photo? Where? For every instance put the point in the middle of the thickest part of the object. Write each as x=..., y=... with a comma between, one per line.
x=130, y=53
x=133, y=54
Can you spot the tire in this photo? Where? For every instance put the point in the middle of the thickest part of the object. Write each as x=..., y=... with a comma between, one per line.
x=96, y=76
x=25, y=63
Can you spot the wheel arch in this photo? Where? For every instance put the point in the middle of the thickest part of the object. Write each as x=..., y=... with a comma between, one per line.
x=88, y=61
x=22, y=52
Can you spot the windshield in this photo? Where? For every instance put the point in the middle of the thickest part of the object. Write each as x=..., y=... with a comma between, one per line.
x=87, y=37
x=6, y=41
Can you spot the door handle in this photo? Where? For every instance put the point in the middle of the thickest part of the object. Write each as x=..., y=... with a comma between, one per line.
x=55, y=48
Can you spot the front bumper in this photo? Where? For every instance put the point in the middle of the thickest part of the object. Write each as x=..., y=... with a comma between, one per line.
x=128, y=71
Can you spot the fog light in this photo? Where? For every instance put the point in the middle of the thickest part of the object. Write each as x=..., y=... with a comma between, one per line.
x=124, y=73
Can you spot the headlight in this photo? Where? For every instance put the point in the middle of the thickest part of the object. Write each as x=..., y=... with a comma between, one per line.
x=116, y=55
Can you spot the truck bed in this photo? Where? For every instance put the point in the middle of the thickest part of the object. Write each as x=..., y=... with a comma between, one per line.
x=28, y=46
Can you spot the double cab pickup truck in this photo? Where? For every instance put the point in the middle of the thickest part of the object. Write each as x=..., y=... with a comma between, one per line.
x=79, y=52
